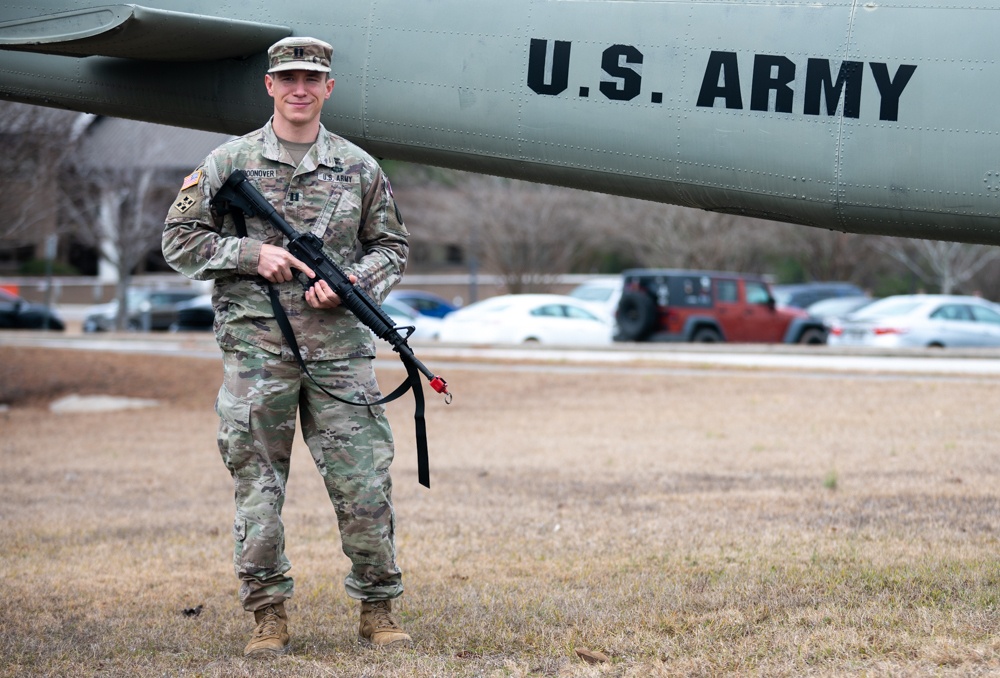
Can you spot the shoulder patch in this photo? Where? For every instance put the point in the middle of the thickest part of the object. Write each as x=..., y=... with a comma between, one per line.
x=183, y=204
x=191, y=180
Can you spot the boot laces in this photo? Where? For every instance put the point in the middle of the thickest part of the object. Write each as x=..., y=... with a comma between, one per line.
x=268, y=626
x=381, y=617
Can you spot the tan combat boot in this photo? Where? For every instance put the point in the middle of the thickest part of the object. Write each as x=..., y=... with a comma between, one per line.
x=271, y=635
x=379, y=627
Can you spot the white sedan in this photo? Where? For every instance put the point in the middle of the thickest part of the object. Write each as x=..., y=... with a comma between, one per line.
x=602, y=293
x=924, y=320
x=527, y=318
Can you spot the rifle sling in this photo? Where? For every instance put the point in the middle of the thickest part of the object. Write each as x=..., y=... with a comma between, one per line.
x=412, y=374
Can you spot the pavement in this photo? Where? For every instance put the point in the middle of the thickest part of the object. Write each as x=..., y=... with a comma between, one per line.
x=778, y=357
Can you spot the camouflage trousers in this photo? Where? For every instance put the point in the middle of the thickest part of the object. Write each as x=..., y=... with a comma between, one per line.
x=351, y=446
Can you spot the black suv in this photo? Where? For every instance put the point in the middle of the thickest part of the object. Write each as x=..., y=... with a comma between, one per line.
x=708, y=306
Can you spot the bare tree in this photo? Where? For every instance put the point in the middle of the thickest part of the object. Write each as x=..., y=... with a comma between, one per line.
x=527, y=233
x=822, y=254
x=36, y=141
x=110, y=210
x=947, y=266
x=680, y=237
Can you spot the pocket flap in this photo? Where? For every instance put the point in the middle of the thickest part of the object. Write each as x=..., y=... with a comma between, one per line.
x=232, y=410
x=240, y=528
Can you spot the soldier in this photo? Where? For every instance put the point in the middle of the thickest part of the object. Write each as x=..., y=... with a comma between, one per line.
x=322, y=184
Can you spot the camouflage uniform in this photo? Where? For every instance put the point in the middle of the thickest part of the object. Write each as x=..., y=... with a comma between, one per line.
x=339, y=193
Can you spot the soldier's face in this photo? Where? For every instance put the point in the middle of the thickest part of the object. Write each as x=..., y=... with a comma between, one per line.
x=298, y=95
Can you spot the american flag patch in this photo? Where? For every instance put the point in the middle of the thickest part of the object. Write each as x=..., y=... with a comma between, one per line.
x=191, y=179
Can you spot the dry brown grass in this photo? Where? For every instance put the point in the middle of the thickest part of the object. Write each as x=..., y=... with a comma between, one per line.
x=714, y=524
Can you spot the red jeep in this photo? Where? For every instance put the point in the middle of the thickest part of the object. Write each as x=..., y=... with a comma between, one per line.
x=708, y=306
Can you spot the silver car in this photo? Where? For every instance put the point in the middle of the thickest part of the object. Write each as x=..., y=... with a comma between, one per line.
x=920, y=320
x=147, y=310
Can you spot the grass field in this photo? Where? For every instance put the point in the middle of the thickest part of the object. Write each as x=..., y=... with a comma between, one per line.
x=708, y=524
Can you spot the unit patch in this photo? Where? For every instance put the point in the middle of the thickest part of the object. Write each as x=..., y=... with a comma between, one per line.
x=184, y=203
x=191, y=180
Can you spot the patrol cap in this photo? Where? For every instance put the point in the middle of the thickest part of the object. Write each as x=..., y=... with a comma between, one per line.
x=299, y=54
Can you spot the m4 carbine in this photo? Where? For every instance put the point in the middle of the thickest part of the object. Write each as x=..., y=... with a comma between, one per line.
x=239, y=197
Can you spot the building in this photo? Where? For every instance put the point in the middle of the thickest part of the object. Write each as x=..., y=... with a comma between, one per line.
x=81, y=178
x=120, y=182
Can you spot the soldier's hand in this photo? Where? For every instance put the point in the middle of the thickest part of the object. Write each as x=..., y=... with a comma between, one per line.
x=321, y=295
x=275, y=264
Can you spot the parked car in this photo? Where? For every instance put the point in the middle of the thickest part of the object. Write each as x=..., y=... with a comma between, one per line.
x=199, y=315
x=527, y=318
x=932, y=320
x=832, y=311
x=195, y=315
x=708, y=306
x=18, y=314
x=403, y=315
x=158, y=308
x=803, y=295
x=425, y=303
x=601, y=293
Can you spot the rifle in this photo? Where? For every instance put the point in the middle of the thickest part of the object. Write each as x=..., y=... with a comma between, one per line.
x=241, y=199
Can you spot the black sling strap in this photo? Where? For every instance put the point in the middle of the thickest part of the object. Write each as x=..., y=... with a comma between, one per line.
x=412, y=374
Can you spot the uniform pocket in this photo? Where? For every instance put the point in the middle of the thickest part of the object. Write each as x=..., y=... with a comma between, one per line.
x=382, y=452
x=235, y=412
x=379, y=432
x=342, y=207
x=240, y=528
x=371, y=394
x=348, y=203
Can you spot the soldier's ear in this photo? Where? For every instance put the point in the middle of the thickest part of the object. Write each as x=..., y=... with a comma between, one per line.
x=329, y=87
x=269, y=84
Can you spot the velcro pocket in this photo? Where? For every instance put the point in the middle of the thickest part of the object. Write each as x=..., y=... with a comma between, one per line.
x=232, y=410
x=240, y=528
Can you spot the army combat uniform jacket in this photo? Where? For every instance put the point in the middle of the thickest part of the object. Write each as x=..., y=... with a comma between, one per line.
x=338, y=192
